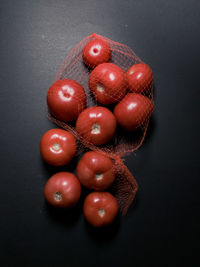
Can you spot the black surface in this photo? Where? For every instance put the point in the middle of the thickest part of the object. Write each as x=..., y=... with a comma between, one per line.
x=162, y=227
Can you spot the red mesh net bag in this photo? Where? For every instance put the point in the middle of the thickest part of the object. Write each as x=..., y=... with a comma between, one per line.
x=127, y=138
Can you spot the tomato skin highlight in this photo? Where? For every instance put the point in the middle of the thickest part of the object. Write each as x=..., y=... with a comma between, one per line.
x=97, y=125
x=133, y=111
x=100, y=208
x=58, y=147
x=63, y=190
x=95, y=52
x=95, y=171
x=139, y=78
x=107, y=83
x=66, y=99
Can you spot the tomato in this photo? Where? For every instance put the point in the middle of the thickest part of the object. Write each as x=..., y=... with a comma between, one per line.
x=95, y=171
x=133, y=111
x=57, y=147
x=62, y=189
x=66, y=99
x=100, y=208
x=107, y=83
x=96, y=124
x=95, y=52
x=139, y=78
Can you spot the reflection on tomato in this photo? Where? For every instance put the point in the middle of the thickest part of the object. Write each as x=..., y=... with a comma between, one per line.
x=100, y=208
x=139, y=78
x=96, y=125
x=62, y=189
x=95, y=171
x=57, y=147
x=95, y=52
x=107, y=83
x=66, y=99
x=133, y=111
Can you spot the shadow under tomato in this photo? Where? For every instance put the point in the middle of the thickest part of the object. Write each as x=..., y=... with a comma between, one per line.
x=63, y=216
x=66, y=216
x=150, y=130
x=104, y=234
x=152, y=122
x=49, y=170
x=134, y=205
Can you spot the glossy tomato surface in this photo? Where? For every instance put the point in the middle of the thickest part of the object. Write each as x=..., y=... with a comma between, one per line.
x=133, y=111
x=139, y=78
x=95, y=171
x=96, y=125
x=66, y=99
x=100, y=208
x=57, y=147
x=108, y=84
x=95, y=52
x=62, y=189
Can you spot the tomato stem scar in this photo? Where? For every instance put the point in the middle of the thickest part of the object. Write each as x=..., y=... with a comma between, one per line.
x=101, y=212
x=99, y=176
x=96, y=128
x=56, y=146
x=100, y=87
x=58, y=196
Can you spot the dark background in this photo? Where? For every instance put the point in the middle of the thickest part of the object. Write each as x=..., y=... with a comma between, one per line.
x=162, y=226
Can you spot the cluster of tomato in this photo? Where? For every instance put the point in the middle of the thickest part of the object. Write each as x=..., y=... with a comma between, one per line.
x=67, y=100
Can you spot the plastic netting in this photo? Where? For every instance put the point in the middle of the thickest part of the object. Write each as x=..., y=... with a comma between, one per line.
x=123, y=142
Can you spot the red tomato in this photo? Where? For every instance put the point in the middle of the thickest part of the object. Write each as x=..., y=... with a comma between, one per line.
x=96, y=124
x=133, y=111
x=95, y=52
x=100, y=208
x=108, y=84
x=57, y=147
x=62, y=189
x=139, y=78
x=95, y=171
x=66, y=99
